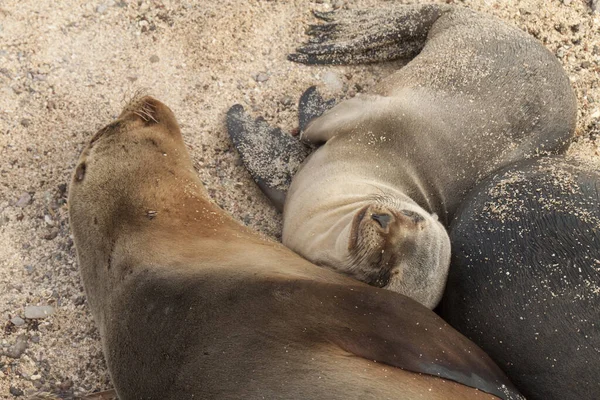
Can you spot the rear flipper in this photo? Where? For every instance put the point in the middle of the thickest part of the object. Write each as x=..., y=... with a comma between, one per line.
x=270, y=155
x=363, y=36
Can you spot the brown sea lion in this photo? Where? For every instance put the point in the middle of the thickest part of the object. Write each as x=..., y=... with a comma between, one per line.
x=393, y=165
x=191, y=304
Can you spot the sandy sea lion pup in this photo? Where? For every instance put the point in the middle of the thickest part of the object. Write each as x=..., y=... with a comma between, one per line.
x=526, y=245
x=190, y=304
x=477, y=95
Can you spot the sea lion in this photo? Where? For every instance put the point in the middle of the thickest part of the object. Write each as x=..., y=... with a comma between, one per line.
x=191, y=304
x=393, y=165
x=524, y=281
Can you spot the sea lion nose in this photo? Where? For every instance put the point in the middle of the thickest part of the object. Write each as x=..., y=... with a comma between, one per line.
x=382, y=219
x=151, y=112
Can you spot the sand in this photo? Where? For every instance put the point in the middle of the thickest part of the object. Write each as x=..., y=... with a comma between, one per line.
x=66, y=69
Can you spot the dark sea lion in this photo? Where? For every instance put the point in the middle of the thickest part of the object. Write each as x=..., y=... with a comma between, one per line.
x=524, y=281
x=191, y=304
x=393, y=165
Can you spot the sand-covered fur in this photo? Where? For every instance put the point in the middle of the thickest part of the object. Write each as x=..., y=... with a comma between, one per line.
x=68, y=67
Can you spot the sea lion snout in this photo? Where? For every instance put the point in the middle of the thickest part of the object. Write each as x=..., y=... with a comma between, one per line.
x=399, y=247
x=140, y=112
x=376, y=223
x=149, y=111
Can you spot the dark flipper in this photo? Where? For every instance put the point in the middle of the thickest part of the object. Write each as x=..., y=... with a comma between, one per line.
x=312, y=106
x=363, y=36
x=270, y=155
x=395, y=330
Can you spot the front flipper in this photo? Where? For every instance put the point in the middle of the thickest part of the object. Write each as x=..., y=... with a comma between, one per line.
x=393, y=329
x=270, y=155
x=312, y=106
x=349, y=115
x=364, y=36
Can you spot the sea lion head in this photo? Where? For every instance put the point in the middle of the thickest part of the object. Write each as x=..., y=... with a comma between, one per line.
x=122, y=186
x=399, y=246
x=124, y=156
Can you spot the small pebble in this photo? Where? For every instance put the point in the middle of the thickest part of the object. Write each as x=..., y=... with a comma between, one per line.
x=25, y=122
x=51, y=236
x=566, y=2
x=66, y=385
x=48, y=220
x=24, y=200
x=38, y=312
x=286, y=100
x=524, y=11
x=29, y=269
x=15, y=391
x=337, y=4
x=17, y=349
x=332, y=81
x=17, y=321
x=101, y=9
x=261, y=77
x=595, y=5
x=79, y=300
x=154, y=58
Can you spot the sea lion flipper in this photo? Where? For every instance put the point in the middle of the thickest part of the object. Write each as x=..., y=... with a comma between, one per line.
x=270, y=155
x=363, y=36
x=405, y=335
x=311, y=106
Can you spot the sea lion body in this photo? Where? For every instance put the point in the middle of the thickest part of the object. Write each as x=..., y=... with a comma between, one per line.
x=524, y=281
x=478, y=96
x=190, y=304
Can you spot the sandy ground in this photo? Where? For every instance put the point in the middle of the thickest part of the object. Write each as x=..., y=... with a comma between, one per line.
x=66, y=69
